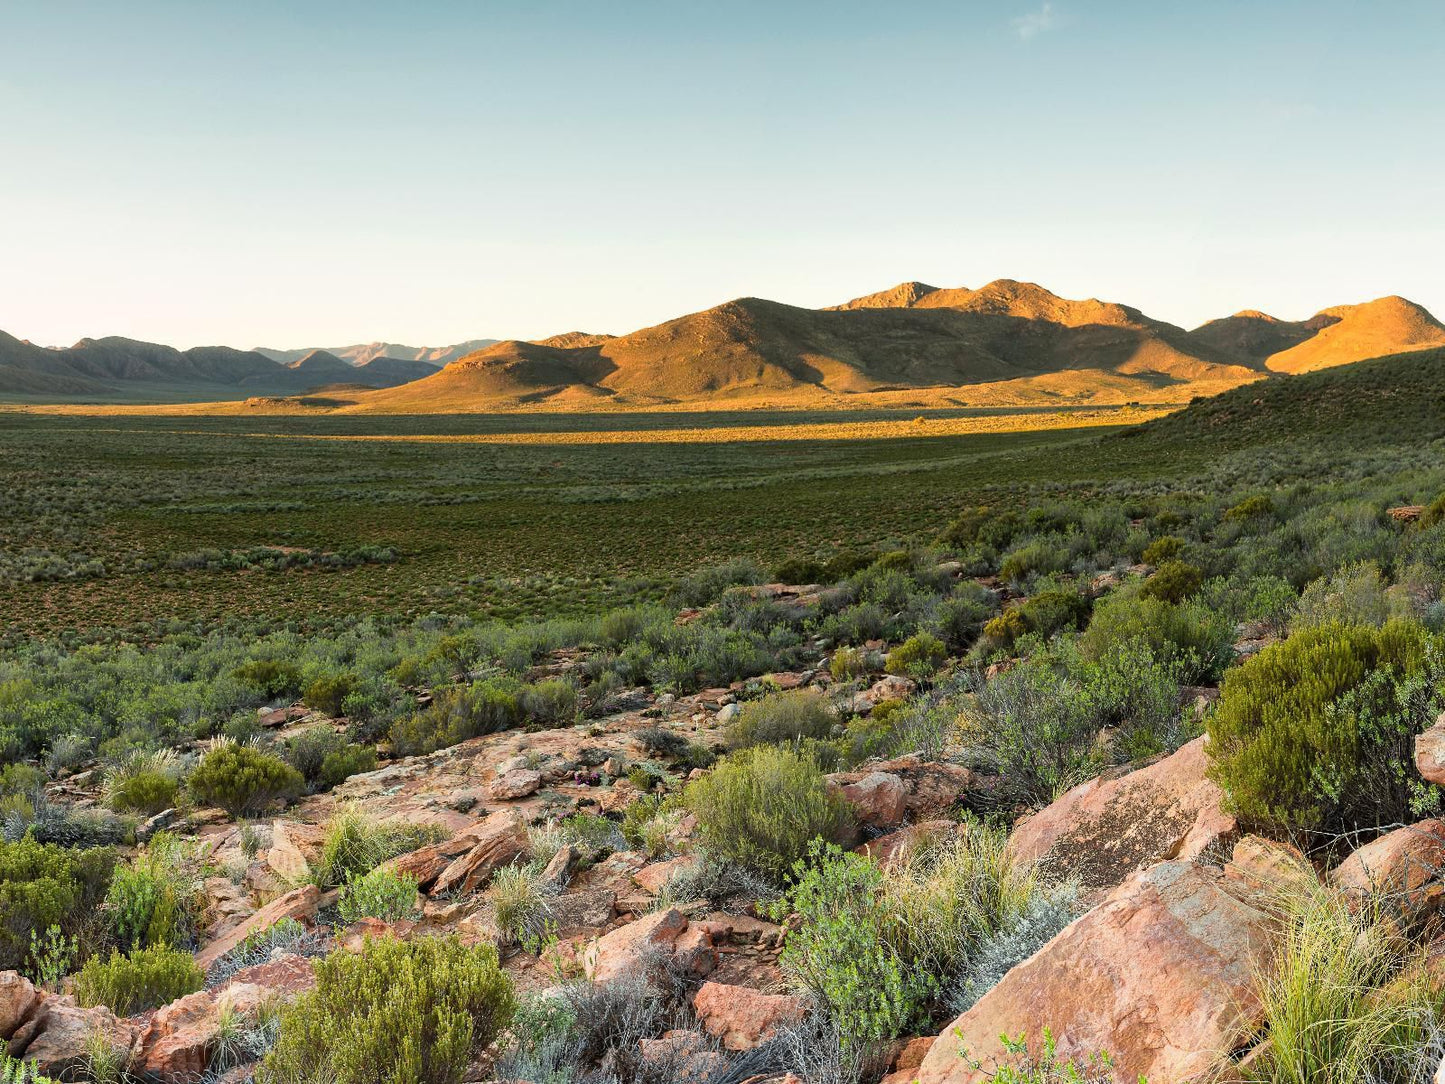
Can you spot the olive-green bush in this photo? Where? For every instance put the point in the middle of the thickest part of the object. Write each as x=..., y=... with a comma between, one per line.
x=763, y=806
x=782, y=717
x=44, y=885
x=1174, y=581
x=397, y=1012
x=917, y=657
x=145, y=979
x=1317, y=731
x=242, y=779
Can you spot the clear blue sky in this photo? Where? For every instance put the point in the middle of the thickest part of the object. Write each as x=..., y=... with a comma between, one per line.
x=288, y=174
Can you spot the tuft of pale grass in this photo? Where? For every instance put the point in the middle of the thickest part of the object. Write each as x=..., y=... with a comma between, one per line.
x=1347, y=999
x=519, y=905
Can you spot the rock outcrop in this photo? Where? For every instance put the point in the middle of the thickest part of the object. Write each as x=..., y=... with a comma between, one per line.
x=1161, y=975
x=1103, y=830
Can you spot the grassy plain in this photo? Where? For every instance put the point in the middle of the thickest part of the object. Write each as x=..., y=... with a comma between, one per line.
x=107, y=518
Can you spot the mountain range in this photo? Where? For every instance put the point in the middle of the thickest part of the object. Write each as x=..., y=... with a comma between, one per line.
x=1006, y=343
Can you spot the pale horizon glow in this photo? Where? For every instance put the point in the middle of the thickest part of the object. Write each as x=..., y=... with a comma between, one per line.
x=326, y=173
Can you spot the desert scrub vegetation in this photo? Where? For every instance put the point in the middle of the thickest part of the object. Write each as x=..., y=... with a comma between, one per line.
x=242, y=779
x=763, y=808
x=44, y=885
x=876, y=950
x=413, y=1010
x=156, y=898
x=356, y=844
x=144, y=782
x=144, y=979
x=379, y=893
x=782, y=718
x=1347, y=998
x=1315, y=733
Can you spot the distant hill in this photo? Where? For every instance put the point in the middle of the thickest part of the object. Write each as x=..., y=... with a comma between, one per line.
x=115, y=369
x=361, y=353
x=1397, y=397
x=1007, y=343
x=1043, y=347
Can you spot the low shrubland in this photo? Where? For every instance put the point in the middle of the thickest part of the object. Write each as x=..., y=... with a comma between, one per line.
x=143, y=979
x=397, y=1010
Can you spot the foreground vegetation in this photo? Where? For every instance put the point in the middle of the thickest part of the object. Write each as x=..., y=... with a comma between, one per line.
x=1046, y=617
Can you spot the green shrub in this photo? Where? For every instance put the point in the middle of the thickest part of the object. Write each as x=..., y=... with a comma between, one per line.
x=918, y=657
x=398, y=1012
x=1164, y=548
x=14, y=1071
x=782, y=717
x=1050, y=611
x=551, y=702
x=1173, y=581
x=1036, y=558
x=1001, y=632
x=764, y=806
x=1317, y=731
x=382, y=893
x=341, y=764
x=458, y=714
x=145, y=979
x=156, y=899
x=1020, y=1065
x=519, y=907
x=143, y=782
x=848, y=663
x=21, y=779
x=702, y=588
x=271, y=677
x=1252, y=508
x=1353, y=595
x=243, y=780
x=307, y=750
x=1198, y=637
x=328, y=693
x=355, y=845
x=44, y=885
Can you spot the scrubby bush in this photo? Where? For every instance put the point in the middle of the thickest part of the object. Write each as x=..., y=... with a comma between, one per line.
x=355, y=845
x=270, y=677
x=551, y=702
x=328, y=692
x=848, y=663
x=1253, y=508
x=44, y=885
x=381, y=893
x=242, y=779
x=1354, y=595
x=701, y=588
x=782, y=717
x=917, y=657
x=519, y=906
x=1051, y=611
x=1199, y=638
x=1316, y=732
x=143, y=782
x=339, y=765
x=1164, y=548
x=1173, y=581
x=459, y=713
x=764, y=806
x=307, y=750
x=1038, y=923
x=145, y=979
x=156, y=899
x=398, y=1011
x=1020, y=1064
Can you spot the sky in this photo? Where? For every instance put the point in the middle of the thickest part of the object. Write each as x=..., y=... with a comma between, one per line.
x=321, y=173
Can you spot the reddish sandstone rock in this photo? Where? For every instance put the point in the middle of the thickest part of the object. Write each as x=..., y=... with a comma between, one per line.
x=427, y=863
x=1162, y=974
x=906, y=1061
x=18, y=1001
x=1404, y=865
x=518, y=783
x=897, y=846
x=681, y=1056
x=663, y=935
x=879, y=800
x=1103, y=830
x=1430, y=753
x=742, y=1018
x=654, y=876
x=58, y=1035
x=293, y=847
x=502, y=841
x=300, y=904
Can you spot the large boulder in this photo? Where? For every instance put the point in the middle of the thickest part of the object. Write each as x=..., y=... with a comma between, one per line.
x=740, y=1017
x=425, y=864
x=59, y=1035
x=1103, y=830
x=1404, y=865
x=300, y=904
x=1161, y=975
x=879, y=800
x=18, y=1000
